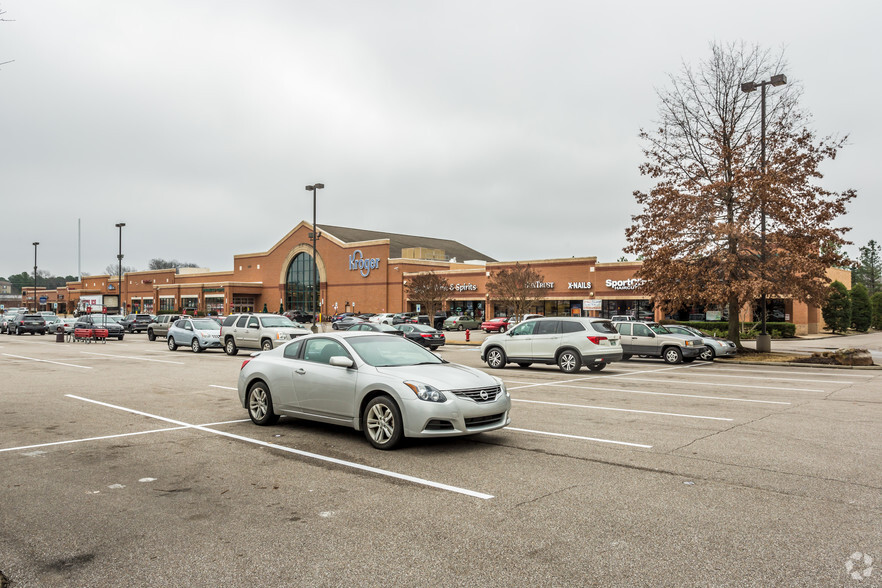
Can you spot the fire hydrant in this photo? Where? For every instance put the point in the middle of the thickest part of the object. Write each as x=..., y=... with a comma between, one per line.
x=468, y=335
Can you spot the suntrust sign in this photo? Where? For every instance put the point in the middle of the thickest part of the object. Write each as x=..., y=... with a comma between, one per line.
x=629, y=284
x=358, y=262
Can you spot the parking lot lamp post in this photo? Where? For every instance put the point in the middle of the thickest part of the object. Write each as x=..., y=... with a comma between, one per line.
x=119, y=272
x=36, y=306
x=763, y=340
x=315, y=310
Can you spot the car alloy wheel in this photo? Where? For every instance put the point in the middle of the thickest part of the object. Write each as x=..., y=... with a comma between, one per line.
x=266, y=345
x=260, y=405
x=230, y=347
x=382, y=423
x=569, y=362
x=502, y=329
x=194, y=345
x=496, y=358
x=461, y=328
x=171, y=343
x=708, y=354
x=673, y=355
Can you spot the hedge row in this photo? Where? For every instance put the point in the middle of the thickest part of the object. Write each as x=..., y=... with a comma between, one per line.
x=721, y=328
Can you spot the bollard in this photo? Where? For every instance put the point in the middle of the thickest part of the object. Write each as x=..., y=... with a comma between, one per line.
x=59, y=334
x=468, y=335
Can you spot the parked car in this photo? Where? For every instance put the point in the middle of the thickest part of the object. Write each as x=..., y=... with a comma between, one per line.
x=375, y=327
x=341, y=315
x=713, y=346
x=5, y=319
x=135, y=323
x=299, y=316
x=418, y=319
x=384, y=386
x=257, y=331
x=654, y=340
x=198, y=334
x=160, y=325
x=100, y=321
x=26, y=322
x=422, y=334
x=384, y=318
x=346, y=322
x=401, y=317
x=617, y=318
x=460, y=323
x=52, y=323
x=569, y=342
x=500, y=324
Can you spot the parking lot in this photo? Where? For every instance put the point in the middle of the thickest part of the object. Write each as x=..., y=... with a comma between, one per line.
x=127, y=464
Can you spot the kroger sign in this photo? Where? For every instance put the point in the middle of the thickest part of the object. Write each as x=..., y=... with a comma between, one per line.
x=357, y=261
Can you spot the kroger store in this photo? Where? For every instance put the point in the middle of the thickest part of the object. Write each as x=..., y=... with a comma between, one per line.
x=367, y=271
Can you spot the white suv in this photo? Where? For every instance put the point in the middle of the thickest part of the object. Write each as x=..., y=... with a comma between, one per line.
x=569, y=342
x=257, y=331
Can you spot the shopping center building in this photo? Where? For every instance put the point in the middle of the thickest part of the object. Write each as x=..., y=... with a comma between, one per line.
x=367, y=271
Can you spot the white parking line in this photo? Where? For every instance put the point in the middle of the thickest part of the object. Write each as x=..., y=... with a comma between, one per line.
x=672, y=414
x=85, y=367
x=578, y=437
x=724, y=385
x=728, y=398
x=221, y=387
x=349, y=464
x=782, y=370
x=605, y=376
x=768, y=378
x=119, y=435
x=133, y=357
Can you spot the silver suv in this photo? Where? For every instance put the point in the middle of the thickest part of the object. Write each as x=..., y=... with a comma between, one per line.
x=257, y=331
x=569, y=342
x=654, y=340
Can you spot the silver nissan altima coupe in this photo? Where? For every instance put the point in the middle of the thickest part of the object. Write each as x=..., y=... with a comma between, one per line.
x=381, y=384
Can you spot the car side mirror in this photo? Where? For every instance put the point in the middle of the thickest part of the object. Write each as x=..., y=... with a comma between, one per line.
x=341, y=361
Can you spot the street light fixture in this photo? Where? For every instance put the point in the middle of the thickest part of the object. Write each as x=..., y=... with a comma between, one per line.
x=119, y=257
x=315, y=308
x=763, y=341
x=36, y=306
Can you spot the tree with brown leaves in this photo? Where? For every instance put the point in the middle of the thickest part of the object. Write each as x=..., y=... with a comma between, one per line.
x=516, y=288
x=699, y=231
x=429, y=290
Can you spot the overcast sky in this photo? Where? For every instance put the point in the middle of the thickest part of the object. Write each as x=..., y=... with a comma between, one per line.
x=509, y=126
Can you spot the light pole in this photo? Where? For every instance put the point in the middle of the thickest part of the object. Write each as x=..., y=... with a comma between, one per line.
x=315, y=309
x=119, y=257
x=36, y=305
x=763, y=341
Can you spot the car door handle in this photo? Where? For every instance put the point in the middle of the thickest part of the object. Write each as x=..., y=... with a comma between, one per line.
x=300, y=371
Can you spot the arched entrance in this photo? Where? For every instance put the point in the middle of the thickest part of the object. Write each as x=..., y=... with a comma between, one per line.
x=301, y=284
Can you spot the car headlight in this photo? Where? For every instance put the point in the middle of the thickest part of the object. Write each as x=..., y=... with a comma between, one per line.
x=426, y=392
x=281, y=335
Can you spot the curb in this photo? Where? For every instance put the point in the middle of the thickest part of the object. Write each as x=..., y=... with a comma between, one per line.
x=799, y=364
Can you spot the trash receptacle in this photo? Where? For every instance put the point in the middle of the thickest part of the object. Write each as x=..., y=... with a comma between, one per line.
x=59, y=334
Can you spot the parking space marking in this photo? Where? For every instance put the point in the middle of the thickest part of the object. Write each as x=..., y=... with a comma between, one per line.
x=626, y=390
x=781, y=370
x=768, y=378
x=221, y=387
x=119, y=435
x=133, y=357
x=671, y=414
x=578, y=437
x=725, y=385
x=85, y=367
x=605, y=376
x=349, y=464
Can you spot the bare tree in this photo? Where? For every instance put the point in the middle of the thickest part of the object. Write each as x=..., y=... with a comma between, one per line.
x=516, y=289
x=113, y=269
x=699, y=232
x=156, y=264
x=429, y=290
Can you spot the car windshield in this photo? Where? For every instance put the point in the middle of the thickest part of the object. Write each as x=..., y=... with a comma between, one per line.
x=277, y=321
x=386, y=351
x=658, y=329
x=206, y=325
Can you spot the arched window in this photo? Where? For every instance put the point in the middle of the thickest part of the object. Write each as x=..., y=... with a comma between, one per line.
x=301, y=284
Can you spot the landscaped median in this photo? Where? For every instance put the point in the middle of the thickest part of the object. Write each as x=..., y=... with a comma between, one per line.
x=841, y=358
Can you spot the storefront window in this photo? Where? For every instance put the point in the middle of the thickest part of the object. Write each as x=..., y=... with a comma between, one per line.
x=243, y=304
x=166, y=304
x=640, y=309
x=301, y=284
x=190, y=304
x=776, y=310
x=472, y=308
x=214, y=304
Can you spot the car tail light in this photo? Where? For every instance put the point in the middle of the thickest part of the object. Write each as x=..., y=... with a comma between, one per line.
x=596, y=340
x=244, y=363
x=425, y=335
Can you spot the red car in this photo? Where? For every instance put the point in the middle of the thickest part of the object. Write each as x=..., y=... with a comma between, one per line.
x=500, y=323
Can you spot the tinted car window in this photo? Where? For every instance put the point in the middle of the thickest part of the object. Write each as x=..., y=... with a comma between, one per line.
x=641, y=330
x=572, y=327
x=624, y=329
x=229, y=321
x=242, y=320
x=322, y=350
x=545, y=327
x=603, y=326
x=292, y=350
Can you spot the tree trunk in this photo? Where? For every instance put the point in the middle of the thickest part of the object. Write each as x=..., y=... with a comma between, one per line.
x=734, y=322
